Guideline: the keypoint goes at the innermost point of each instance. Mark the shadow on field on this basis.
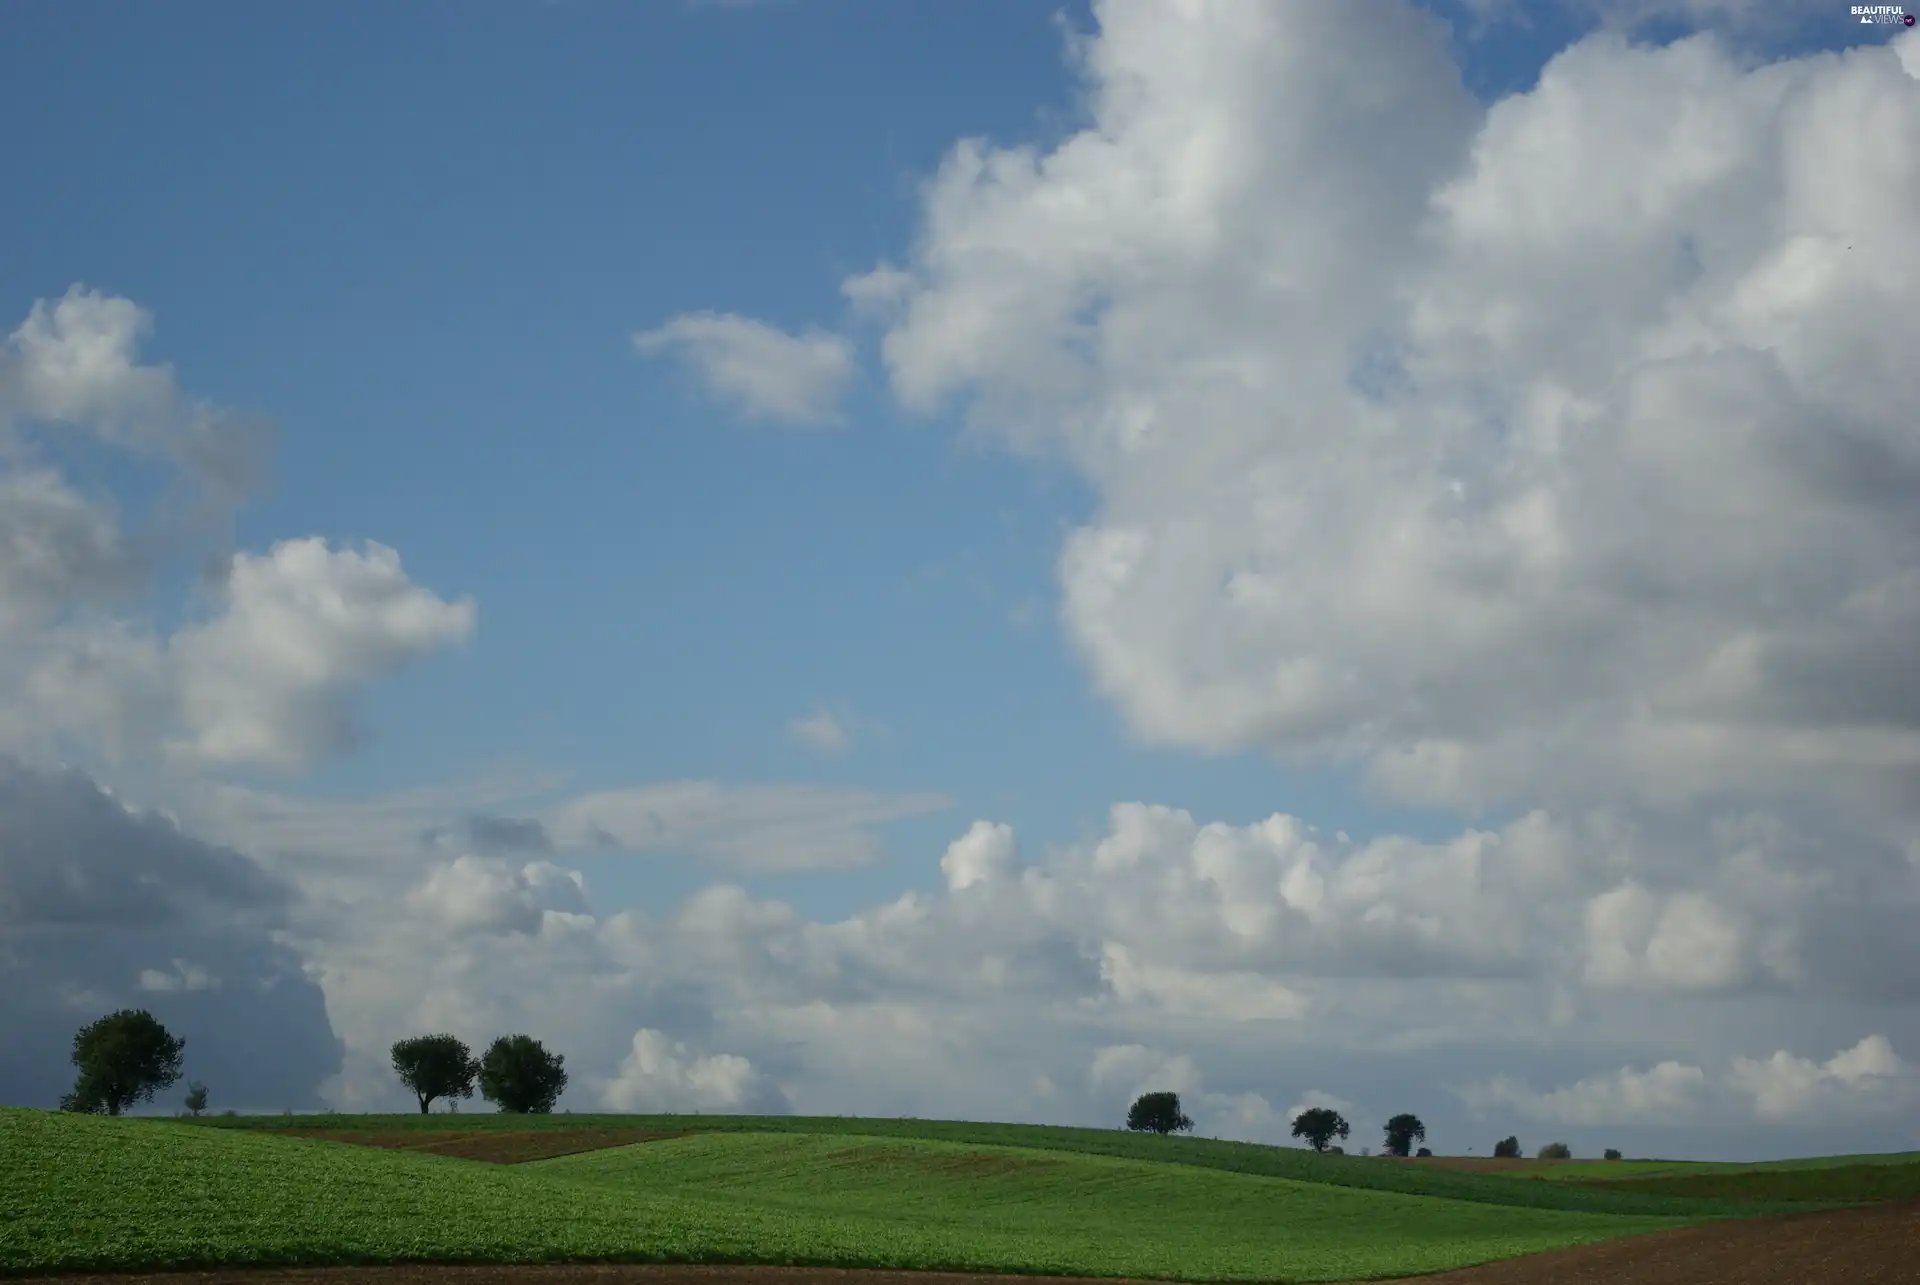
(965, 1166)
(496, 1146)
(1874, 1245)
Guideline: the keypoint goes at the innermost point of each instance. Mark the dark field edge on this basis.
(1297, 1164)
(267, 1264)
(1850, 1183)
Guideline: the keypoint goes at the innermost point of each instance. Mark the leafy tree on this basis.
(1402, 1132)
(196, 1097)
(518, 1074)
(1508, 1148)
(1157, 1113)
(1556, 1151)
(435, 1066)
(1612, 1154)
(1424, 1152)
(1320, 1126)
(123, 1058)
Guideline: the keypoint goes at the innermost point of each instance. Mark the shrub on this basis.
(1612, 1154)
(1424, 1151)
(1556, 1151)
(1508, 1148)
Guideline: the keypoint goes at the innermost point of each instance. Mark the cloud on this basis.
(265, 681)
(1553, 458)
(1778, 1088)
(1683, 942)
(1663, 1094)
(1734, 17)
(1120, 1073)
(71, 368)
(1359, 1123)
(984, 852)
(491, 836)
(764, 373)
(1784, 1086)
(73, 363)
(753, 827)
(270, 680)
(182, 977)
(659, 1075)
(1551, 453)
(73, 360)
(1235, 997)
(481, 895)
(56, 548)
(822, 732)
(92, 893)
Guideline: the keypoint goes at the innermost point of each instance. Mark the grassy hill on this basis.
(1292, 1163)
(90, 1193)
(1609, 1170)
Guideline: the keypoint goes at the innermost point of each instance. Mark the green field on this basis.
(92, 1193)
(1608, 1170)
(1293, 1163)
(1852, 1183)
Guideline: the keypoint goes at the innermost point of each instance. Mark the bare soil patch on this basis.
(1869, 1245)
(984, 1165)
(496, 1146)
(1874, 1245)
(1479, 1164)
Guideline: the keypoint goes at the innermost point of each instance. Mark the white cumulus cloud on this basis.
(1661, 1094)
(821, 731)
(1785, 1085)
(762, 371)
(986, 851)
(658, 1074)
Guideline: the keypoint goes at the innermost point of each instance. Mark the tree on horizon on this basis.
(435, 1066)
(123, 1058)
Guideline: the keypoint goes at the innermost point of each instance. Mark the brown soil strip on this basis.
(1871, 1245)
(497, 1146)
(1481, 1164)
(1875, 1245)
(983, 1165)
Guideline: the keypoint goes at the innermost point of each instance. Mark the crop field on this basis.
(1291, 1163)
(86, 1193)
(1852, 1183)
(1606, 1170)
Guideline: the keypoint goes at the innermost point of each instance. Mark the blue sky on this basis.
(421, 240)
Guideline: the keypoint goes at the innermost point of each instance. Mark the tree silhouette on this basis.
(435, 1066)
(518, 1074)
(123, 1058)
(1157, 1113)
(1402, 1132)
(1320, 1126)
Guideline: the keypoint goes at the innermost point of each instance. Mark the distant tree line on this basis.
(516, 1074)
(124, 1058)
(1159, 1112)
